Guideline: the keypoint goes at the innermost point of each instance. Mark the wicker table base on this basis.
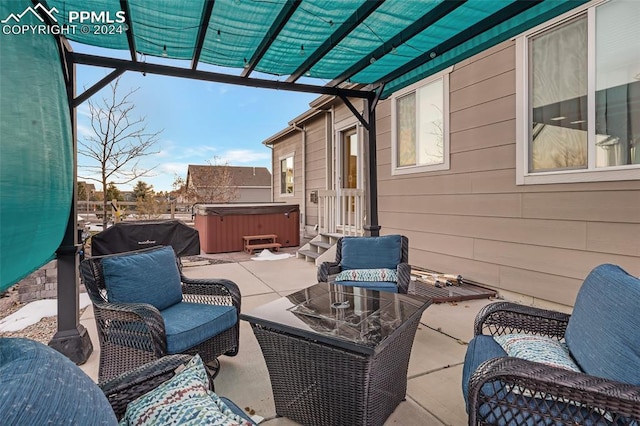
(315, 384)
(317, 379)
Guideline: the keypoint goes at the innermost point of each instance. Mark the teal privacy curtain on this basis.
(36, 152)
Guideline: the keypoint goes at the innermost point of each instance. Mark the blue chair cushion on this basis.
(603, 334)
(371, 252)
(506, 408)
(189, 324)
(372, 285)
(39, 386)
(481, 348)
(145, 277)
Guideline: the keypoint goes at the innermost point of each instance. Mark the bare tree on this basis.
(212, 183)
(117, 143)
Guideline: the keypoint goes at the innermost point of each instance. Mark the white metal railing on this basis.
(341, 212)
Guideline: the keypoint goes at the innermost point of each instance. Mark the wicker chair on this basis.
(132, 334)
(602, 337)
(127, 387)
(39, 385)
(369, 253)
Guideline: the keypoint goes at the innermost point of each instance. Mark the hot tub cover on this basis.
(127, 236)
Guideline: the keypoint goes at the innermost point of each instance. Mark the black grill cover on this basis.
(127, 236)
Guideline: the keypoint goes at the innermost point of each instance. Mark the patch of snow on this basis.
(267, 255)
(33, 312)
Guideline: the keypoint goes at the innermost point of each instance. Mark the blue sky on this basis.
(201, 121)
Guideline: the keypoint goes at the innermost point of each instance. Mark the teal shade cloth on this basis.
(277, 37)
(36, 152)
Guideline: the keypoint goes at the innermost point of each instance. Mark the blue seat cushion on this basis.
(372, 285)
(371, 252)
(189, 324)
(603, 334)
(39, 385)
(481, 348)
(506, 407)
(145, 277)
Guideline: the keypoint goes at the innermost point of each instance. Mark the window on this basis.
(579, 118)
(420, 134)
(286, 175)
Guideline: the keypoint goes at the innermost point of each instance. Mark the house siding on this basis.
(536, 240)
(292, 143)
(316, 164)
(253, 195)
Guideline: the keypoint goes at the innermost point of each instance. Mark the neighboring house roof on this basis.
(242, 176)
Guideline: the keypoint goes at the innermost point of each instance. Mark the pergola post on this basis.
(371, 226)
(72, 338)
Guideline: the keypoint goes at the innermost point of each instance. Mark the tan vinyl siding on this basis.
(254, 195)
(291, 143)
(536, 240)
(316, 166)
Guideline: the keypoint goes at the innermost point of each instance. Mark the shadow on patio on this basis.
(434, 395)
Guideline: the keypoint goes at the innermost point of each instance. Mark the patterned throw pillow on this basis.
(382, 274)
(538, 349)
(184, 399)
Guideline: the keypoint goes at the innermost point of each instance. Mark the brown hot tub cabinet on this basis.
(222, 226)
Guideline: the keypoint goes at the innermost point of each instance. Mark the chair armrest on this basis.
(326, 269)
(127, 387)
(541, 389)
(506, 317)
(217, 291)
(404, 277)
(139, 325)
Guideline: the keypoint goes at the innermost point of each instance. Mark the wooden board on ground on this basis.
(447, 287)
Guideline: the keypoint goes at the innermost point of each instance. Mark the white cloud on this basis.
(242, 156)
(84, 131)
(83, 110)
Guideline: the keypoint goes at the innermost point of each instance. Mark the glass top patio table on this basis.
(351, 318)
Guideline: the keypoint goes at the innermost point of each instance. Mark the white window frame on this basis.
(591, 173)
(291, 155)
(420, 168)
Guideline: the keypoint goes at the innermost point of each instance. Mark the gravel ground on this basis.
(42, 331)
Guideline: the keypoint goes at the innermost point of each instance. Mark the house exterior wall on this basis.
(317, 151)
(291, 143)
(536, 240)
(253, 195)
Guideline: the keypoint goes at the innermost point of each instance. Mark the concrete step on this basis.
(331, 235)
(309, 255)
(321, 244)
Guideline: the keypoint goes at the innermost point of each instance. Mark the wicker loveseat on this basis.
(151, 310)
(593, 380)
(377, 263)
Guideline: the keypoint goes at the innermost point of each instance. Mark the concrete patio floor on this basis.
(434, 395)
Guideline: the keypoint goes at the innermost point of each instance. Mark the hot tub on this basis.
(222, 226)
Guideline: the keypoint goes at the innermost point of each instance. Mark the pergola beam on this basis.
(429, 18)
(124, 6)
(487, 23)
(96, 87)
(202, 32)
(350, 24)
(270, 37)
(100, 61)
